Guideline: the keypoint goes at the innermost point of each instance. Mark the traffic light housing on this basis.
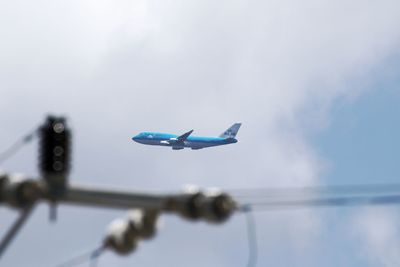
(54, 154)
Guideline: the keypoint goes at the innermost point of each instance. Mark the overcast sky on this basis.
(300, 76)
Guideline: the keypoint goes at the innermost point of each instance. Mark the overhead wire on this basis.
(251, 236)
(355, 189)
(90, 257)
(338, 195)
(345, 201)
(17, 145)
(16, 226)
(270, 199)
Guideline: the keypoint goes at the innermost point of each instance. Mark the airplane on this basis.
(186, 140)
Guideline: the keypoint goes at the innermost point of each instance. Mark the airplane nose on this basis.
(135, 138)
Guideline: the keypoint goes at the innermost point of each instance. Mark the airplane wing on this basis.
(177, 140)
(184, 136)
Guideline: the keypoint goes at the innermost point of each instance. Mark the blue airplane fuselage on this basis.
(194, 142)
(186, 140)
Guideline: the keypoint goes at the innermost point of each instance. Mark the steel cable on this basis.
(88, 257)
(16, 146)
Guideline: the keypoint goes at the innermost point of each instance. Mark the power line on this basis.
(346, 201)
(12, 232)
(337, 195)
(251, 236)
(86, 257)
(350, 189)
(16, 146)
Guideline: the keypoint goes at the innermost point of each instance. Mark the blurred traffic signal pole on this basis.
(54, 159)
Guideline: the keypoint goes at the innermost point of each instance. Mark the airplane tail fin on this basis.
(232, 131)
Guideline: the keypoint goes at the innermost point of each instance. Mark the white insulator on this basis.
(120, 237)
(213, 192)
(191, 189)
(145, 222)
(124, 234)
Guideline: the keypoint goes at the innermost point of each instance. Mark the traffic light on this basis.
(54, 154)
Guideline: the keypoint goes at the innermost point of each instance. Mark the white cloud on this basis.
(120, 67)
(378, 232)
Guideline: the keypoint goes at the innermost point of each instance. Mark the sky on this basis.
(313, 82)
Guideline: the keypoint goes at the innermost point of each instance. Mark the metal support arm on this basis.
(90, 196)
(194, 205)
